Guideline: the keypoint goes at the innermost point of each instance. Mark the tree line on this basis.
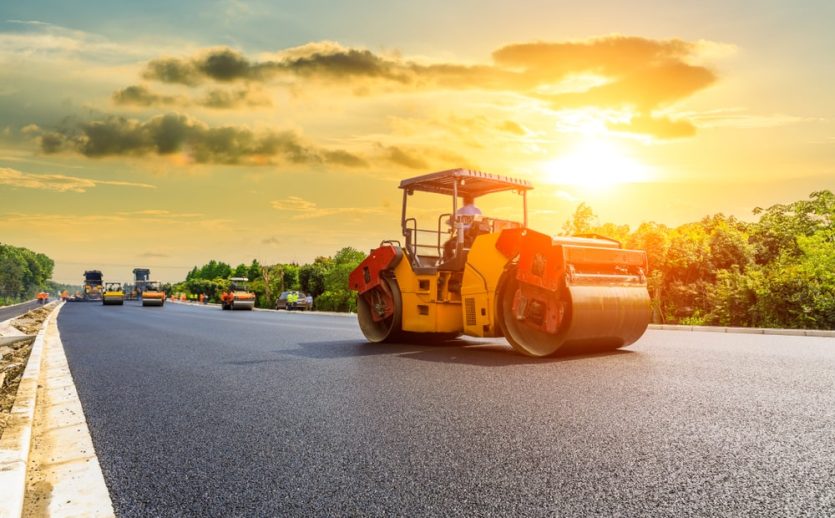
(325, 279)
(23, 273)
(778, 271)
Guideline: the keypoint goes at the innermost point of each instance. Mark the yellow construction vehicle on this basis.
(92, 285)
(152, 295)
(113, 294)
(493, 277)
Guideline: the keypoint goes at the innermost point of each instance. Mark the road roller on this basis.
(464, 273)
(113, 294)
(152, 295)
(238, 295)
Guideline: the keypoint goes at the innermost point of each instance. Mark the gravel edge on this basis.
(17, 437)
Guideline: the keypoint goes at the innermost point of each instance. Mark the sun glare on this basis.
(596, 162)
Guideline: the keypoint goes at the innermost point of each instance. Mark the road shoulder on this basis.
(63, 476)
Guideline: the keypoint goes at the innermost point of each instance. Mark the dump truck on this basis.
(92, 287)
(238, 295)
(114, 294)
(152, 294)
(489, 277)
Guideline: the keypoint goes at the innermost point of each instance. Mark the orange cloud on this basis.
(58, 182)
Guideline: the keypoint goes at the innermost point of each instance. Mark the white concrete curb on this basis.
(64, 476)
(744, 330)
(17, 437)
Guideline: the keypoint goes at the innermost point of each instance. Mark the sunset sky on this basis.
(165, 134)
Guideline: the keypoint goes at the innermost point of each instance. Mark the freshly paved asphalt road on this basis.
(198, 411)
(7, 312)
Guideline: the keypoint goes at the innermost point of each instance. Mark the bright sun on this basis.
(596, 162)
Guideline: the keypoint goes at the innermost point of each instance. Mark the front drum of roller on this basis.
(597, 318)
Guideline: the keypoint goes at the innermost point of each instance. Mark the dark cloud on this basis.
(229, 99)
(345, 158)
(216, 98)
(347, 63)
(639, 74)
(405, 158)
(173, 70)
(51, 142)
(175, 133)
(139, 95)
(224, 65)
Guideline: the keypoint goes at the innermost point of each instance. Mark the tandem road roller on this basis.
(238, 295)
(113, 294)
(464, 273)
(152, 294)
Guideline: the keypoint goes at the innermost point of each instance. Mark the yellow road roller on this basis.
(460, 272)
(113, 294)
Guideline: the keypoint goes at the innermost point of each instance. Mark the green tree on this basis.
(241, 270)
(254, 270)
(291, 276)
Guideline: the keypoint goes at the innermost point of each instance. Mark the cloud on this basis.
(513, 127)
(293, 203)
(229, 99)
(179, 134)
(58, 182)
(741, 118)
(643, 89)
(34, 38)
(139, 95)
(630, 73)
(405, 158)
(161, 213)
(660, 127)
(304, 209)
(216, 98)
(222, 65)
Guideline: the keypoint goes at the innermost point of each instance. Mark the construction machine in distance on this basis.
(152, 294)
(113, 294)
(496, 277)
(140, 278)
(92, 288)
(238, 295)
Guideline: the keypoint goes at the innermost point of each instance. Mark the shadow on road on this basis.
(454, 351)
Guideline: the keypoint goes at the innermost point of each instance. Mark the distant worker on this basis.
(309, 300)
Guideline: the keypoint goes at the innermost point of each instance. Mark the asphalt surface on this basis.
(201, 412)
(7, 312)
